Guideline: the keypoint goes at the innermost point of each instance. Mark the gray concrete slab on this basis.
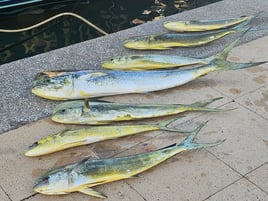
(245, 132)
(3, 196)
(19, 106)
(240, 190)
(259, 177)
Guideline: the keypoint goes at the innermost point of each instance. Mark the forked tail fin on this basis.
(201, 106)
(188, 143)
(220, 59)
(164, 126)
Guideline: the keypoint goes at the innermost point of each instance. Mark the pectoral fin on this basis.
(92, 192)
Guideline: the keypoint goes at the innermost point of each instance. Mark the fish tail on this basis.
(249, 19)
(164, 125)
(201, 106)
(220, 60)
(189, 144)
(222, 56)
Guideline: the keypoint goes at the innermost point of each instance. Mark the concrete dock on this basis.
(236, 170)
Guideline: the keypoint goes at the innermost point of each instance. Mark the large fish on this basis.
(166, 41)
(82, 136)
(99, 112)
(98, 83)
(152, 61)
(206, 25)
(81, 176)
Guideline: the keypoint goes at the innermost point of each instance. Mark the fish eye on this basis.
(33, 145)
(46, 178)
(62, 111)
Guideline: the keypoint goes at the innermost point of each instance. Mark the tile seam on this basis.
(240, 96)
(222, 189)
(249, 109)
(247, 178)
(243, 176)
(5, 193)
(136, 191)
(237, 101)
(30, 196)
(257, 186)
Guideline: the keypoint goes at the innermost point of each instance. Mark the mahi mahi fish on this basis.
(63, 85)
(99, 112)
(166, 41)
(152, 61)
(82, 136)
(81, 176)
(206, 25)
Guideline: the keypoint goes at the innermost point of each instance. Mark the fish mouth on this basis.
(55, 119)
(42, 93)
(38, 92)
(41, 185)
(31, 150)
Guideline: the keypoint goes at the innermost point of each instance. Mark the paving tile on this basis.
(237, 83)
(187, 176)
(260, 177)
(114, 191)
(257, 101)
(241, 190)
(3, 196)
(17, 172)
(39, 197)
(246, 137)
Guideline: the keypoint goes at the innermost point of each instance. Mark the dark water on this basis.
(109, 15)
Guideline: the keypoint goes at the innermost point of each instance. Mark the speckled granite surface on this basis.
(19, 106)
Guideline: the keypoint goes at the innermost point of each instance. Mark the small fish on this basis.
(206, 25)
(152, 61)
(82, 136)
(99, 112)
(81, 176)
(166, 41)
(98, 83)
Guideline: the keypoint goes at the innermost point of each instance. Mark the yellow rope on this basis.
(52, 18)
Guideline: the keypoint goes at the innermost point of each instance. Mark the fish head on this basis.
(55, 182)
(41, 147)
(68, 112)
(138, 43)
(176, 25)
(53, 85)
(115, 62)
